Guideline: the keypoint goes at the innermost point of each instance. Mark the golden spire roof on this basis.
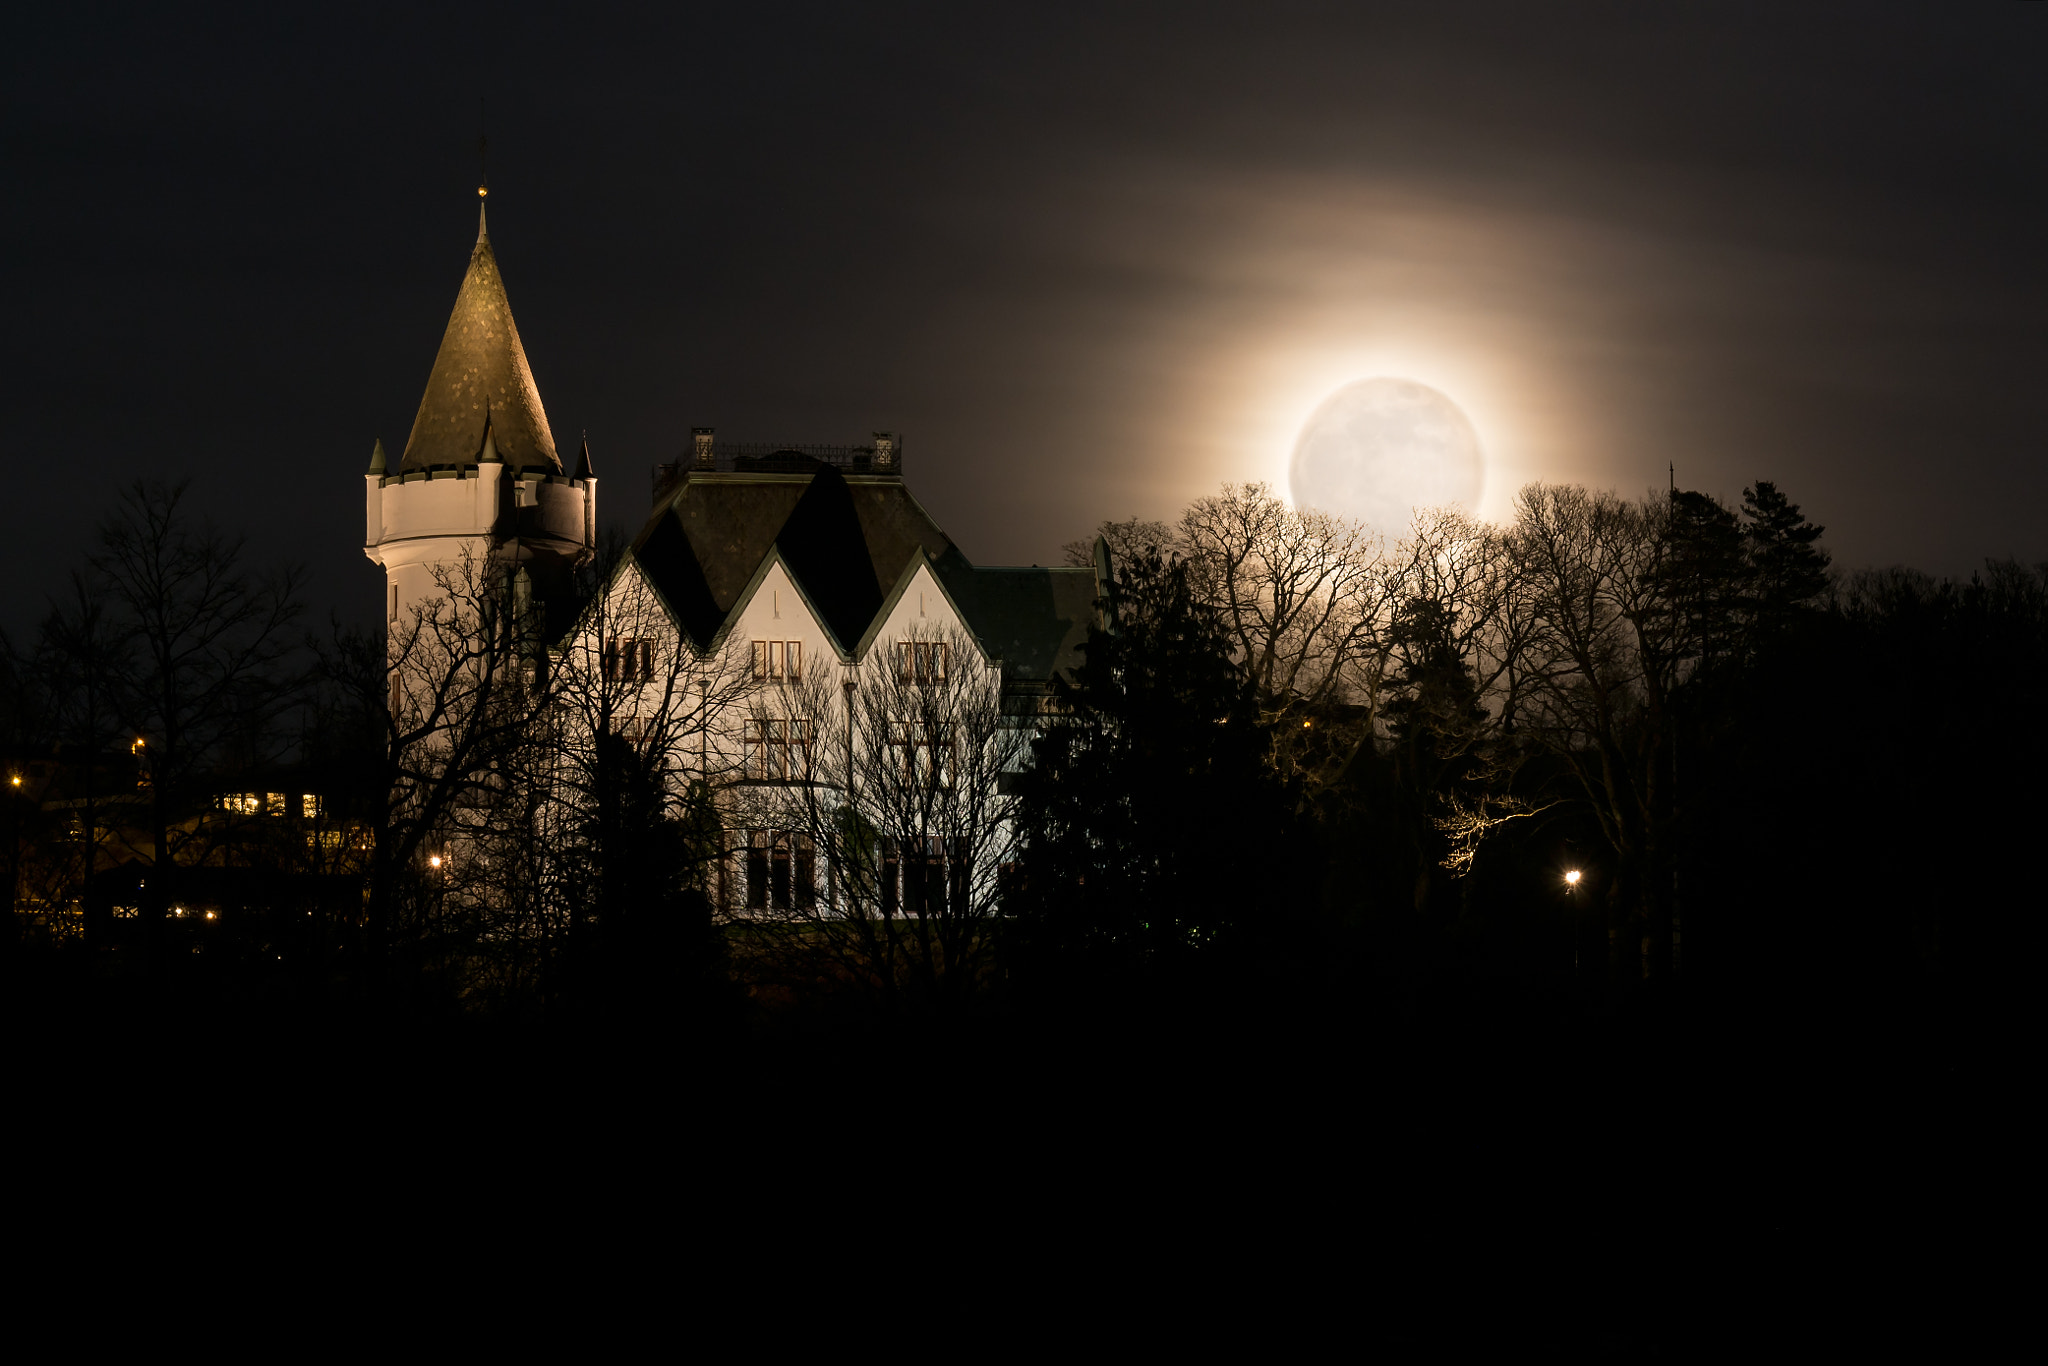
(480, 378)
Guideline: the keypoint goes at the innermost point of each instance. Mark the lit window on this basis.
(275, 802)
(309, 806)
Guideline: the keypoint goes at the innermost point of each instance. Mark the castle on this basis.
(766, 582)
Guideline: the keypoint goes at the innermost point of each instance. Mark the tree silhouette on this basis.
(1156, 828)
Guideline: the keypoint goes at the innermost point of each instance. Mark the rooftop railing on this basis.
(772, 457)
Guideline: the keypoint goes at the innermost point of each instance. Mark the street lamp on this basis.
(1571, 917)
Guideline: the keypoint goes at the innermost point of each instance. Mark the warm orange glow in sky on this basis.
(1298, 288)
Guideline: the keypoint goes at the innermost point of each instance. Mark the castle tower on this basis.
(479, 476)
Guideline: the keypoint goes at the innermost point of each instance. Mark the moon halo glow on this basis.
(1377, 449)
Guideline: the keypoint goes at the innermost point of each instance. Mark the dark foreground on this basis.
(1618, 1176)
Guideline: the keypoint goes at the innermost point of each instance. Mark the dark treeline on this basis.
(1614, 751)
(1613, 747)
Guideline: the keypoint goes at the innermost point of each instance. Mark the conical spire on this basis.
(583, 469)
(377, 463)
(481, 378)
(487, 454)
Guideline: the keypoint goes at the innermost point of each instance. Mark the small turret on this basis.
(586, 474)
(373, 496)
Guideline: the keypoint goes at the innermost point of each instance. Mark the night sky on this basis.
(1091, 260)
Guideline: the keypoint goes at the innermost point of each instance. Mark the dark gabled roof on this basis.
(1034, 620)
(893, 524)
(824, 549)
(843, 539)
(726, 528)
(480, 375)
(666, 558)
(846, 543)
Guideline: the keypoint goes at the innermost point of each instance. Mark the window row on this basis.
(782, 871)
(778, 661)
(779, 750)
(637, 731)
(917, 877)
(924, 753)
(921, 661)
(628, 661)
(304, 805)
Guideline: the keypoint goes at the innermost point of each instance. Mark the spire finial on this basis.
(483, 175)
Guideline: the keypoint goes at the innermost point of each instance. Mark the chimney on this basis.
(886, 454)
(701, 438)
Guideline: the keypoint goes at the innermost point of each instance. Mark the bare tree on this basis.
(197, 649)
(1601, 656)
(1451, 683)
(1305, 594)
(880, 824)
(452, 692)
(66, 696)
(1127, 540)
(637, 708)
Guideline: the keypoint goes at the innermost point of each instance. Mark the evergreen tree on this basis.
(1437, 739)
(1788, 568)
(1158, 834)
(643, 945)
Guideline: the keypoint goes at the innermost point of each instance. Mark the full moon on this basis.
(1380, 448)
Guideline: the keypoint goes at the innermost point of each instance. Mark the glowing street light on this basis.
(1571, 916)
(434, 861)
